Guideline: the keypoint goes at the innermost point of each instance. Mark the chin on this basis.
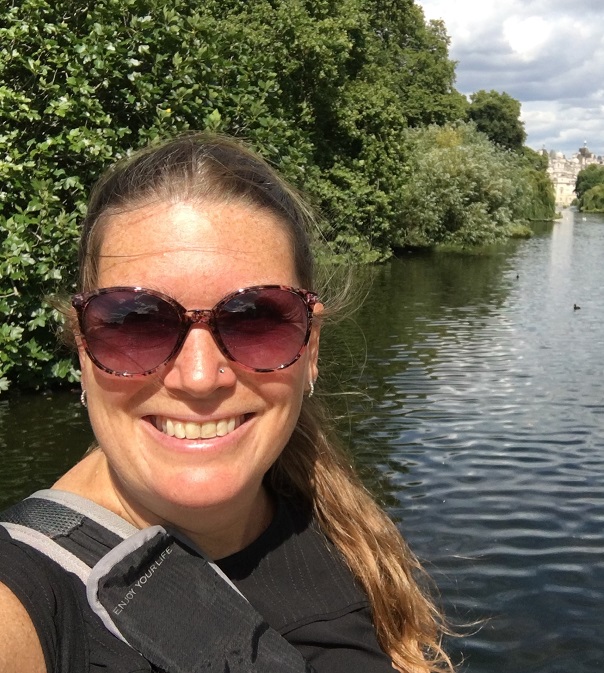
(187, 493)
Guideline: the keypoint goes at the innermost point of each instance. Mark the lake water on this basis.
(476, 413)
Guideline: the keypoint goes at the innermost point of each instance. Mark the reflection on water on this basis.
(480, 425)
(561, 250)
(40, 437)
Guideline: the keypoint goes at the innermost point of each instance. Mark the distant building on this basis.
(563, 172)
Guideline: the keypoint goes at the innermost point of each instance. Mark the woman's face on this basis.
(197, 255)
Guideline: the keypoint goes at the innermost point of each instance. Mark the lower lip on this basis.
(213, 444)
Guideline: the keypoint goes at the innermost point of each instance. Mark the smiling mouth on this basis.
(191, 430)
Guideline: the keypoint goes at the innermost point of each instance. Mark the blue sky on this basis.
(548, 54)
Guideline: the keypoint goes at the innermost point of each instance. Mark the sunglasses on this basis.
(132, 331)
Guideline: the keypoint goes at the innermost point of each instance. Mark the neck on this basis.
(236, 531)
(219, 530)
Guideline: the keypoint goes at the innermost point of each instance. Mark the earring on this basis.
(221, 371)
(311, 384)
(84, 399)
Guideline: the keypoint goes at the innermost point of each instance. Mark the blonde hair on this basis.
(312, 467)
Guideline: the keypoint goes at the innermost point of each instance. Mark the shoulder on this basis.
(26, 606)
(20, 648)
(29, 576)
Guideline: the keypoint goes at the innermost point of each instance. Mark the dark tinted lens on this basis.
(264, 328)
(130, 332)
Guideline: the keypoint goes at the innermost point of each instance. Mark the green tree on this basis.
(399, 75)
(593, 200)
(461, 189)
(536, 160)
(415, 54)
(541, 198)
(541, 202)
(587, 179)
(498, 116)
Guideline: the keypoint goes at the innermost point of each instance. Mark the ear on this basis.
(313, 344)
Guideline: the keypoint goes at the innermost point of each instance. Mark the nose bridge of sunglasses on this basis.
(199, 315)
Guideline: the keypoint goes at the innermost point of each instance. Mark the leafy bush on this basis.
(593, 200)
(461, 189)
(541, 200)
(588, 178)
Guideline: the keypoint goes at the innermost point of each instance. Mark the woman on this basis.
(205, 422)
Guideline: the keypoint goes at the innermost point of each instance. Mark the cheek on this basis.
(110, 398)
(281, 393)
(84, 363)
(287, 396)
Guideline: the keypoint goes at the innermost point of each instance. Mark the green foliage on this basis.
(588, 178)
(461, 190)
(541, 198)
(398, 75)
(535, 160)
(593, 200)
(325, 88)
(498, 116)
(413, 56)
(520, 230)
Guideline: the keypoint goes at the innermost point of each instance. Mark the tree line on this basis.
(589, 189)
(354, 101)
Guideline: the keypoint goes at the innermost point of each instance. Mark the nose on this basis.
(199, 367)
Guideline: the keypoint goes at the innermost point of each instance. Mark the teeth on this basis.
(208, 430)
(191, 430)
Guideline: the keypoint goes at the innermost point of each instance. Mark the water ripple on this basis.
(487, 426)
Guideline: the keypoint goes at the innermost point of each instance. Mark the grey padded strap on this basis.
(50, 548)
(90, 509)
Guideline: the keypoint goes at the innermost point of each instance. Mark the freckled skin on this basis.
(196, 254)
(20, 650)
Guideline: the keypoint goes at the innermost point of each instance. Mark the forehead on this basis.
(230, 245)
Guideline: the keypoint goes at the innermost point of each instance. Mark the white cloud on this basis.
(549, 54)
(527, 37)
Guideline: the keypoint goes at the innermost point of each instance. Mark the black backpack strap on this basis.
(73, 531)
(153, 589)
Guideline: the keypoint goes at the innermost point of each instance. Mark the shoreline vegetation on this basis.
(590, 189)
(353, 100)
